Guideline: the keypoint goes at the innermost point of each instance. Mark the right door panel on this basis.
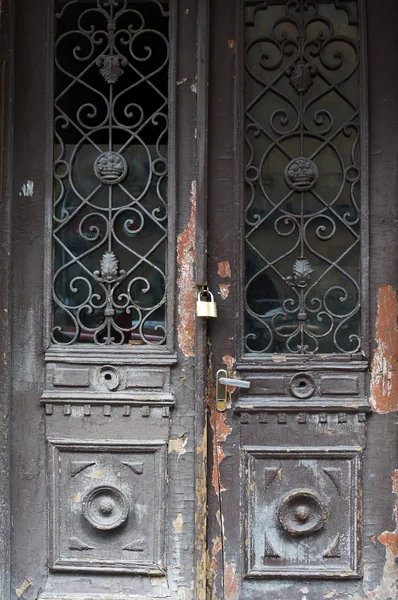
(292, 506)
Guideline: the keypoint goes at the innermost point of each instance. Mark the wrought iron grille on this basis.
(302, 177)
(110, 170)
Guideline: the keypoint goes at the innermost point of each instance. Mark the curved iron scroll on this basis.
(302, 177)
(110, 170)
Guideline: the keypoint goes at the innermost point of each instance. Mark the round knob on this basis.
(105, 507)
(302, 512)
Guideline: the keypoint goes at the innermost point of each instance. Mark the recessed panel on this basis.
(302, 512)
(102, 516)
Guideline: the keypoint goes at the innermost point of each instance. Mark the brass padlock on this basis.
(206, 308)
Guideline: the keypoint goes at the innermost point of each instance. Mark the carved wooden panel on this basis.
(303, 508)
(102, 517)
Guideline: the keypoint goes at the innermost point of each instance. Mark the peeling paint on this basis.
(279, 358)
(384, 386)
(229, 362)
(96, 474)
(27, 189)
(178, 523)
(201, 518)
(387, 589)
(224, 269)
(389, 539)
(181, 81)
(186, 282)
(178, 445)
(20, 590)
(231, 581)
(224, 290)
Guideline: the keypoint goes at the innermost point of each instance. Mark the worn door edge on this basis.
(6, 149)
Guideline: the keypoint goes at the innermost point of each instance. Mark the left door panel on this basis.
(102, 431)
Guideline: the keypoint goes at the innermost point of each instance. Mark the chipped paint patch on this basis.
(186, 282)
(224, 269)
(96, 474)
(389, 539)
(229, 362)
(178, 445)
(384, 384)
(20, 590)
(231, 581)
(178, 523)
(387, 590)
(224, 290)
(201, 517)
(27, 189)
(213, 573)
(181, 81)
(278, 358)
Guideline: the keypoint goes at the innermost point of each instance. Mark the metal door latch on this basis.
(222, 383)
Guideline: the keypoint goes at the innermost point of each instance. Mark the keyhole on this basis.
(108, 376)
(302, 384)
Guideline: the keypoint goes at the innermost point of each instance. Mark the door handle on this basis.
(222, 383)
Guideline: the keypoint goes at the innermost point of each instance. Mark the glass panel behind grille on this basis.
(302, 177)
(110, 169)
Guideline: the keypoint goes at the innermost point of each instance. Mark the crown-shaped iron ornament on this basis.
(110, 167)
(301, 174)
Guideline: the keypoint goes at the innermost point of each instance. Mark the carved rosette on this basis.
(105, 507)
(302, 512)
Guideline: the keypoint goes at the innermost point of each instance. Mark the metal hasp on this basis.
(222, 383)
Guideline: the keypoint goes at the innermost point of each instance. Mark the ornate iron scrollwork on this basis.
(110, 171)
(302, 177)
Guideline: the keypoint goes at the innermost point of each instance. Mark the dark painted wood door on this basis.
(103, 436)
(100, 332)
(302, 481)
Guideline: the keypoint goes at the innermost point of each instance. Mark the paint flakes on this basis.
(224, 269)
(224, 290)
(20, 590)
(232, 45)
(77, 498)
(181, 81)
(279, 358)
(229, 362)
(384, 385)
(178, 523)
(331, 594)
(178, 444)
(96, 474)
(231, 581)
(186, 282)
(27, 189)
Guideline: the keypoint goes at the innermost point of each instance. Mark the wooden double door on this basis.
(159, 154)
